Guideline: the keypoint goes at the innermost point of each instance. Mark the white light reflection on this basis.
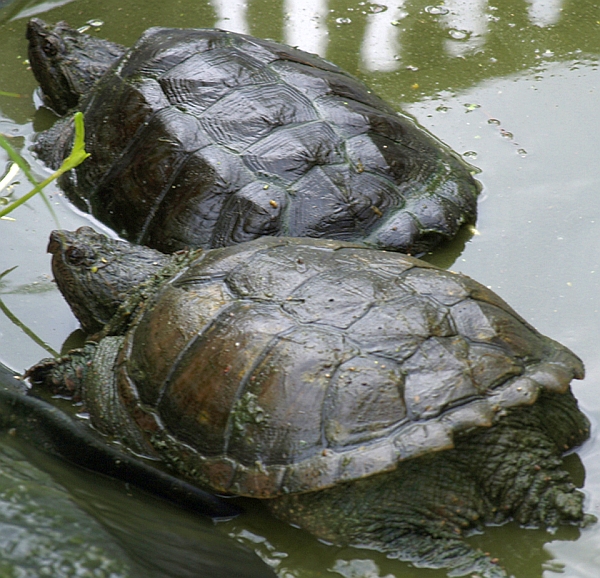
(305, 25)
(39, 8)
(380, 49)
(467, 24)
(231, 15)
(544, 12)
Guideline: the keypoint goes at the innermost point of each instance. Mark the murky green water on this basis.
(512, 84)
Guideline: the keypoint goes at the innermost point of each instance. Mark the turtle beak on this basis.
(57, 242)
(41, 39)
(36, 28)
(62, 238)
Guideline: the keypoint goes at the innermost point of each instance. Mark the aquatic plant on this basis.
(77, 156)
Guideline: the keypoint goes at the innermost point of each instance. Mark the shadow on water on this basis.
(190, 544)
(161, 540)
(450, 251)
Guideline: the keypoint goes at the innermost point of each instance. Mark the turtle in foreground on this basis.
(206, 138)
(364, 395)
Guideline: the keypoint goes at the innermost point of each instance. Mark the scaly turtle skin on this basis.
(365, 395)
(206, 138)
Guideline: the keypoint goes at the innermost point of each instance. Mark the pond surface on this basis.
(513, 85)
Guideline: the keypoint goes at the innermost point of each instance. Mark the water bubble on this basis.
(522, 152)
(457, 34)
(93, 23)
(412, 68)
(343, 21)
(400, 15)
(442, 108)
(376, 8)
(494, 121)
(437, 10)
(506, 134)
(471, 106)
(470, 154)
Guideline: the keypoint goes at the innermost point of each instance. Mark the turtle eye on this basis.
(77, 256)
(49, 47)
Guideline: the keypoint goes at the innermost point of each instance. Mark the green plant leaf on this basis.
(17, 159)
(77, 156)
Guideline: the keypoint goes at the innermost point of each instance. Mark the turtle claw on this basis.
(62, 376)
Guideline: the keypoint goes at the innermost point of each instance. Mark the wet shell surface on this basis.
(289, 365)
(206, 138)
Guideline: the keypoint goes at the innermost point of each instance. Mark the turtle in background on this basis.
(363, 395)
(207, 138)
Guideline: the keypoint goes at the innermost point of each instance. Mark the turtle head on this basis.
(95, 273)
(66, 62)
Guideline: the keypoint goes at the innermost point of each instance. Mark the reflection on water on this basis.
(305, 24)
(380, 46)
(231, 15)
(544, 12)
(465, 24)
(43, 533)
(153, 540)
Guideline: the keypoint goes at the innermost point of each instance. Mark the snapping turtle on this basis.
(206, 138)
(364, 395)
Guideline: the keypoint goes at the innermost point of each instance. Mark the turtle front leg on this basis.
(88, 375)
(65, 375)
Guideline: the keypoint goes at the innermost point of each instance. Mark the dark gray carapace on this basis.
(207, 138)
